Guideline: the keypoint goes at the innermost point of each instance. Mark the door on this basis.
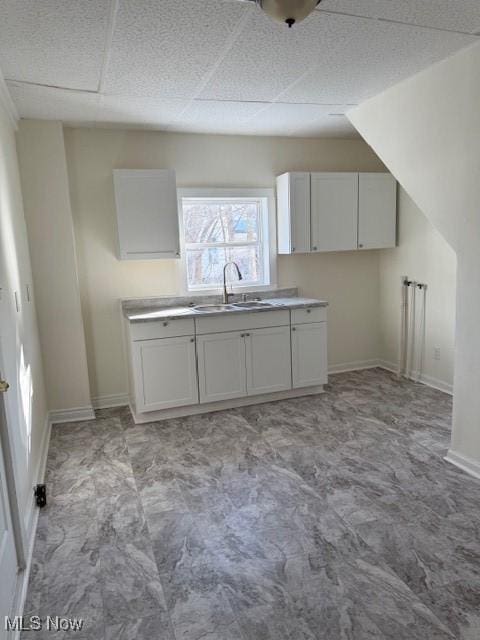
(334, 211)
(166, 373)
(309, 354)
(377, 211)
(269, 365)
(300, 211)
(221, 366)
(8, 557)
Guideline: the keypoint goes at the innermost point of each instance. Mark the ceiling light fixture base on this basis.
(288, 11)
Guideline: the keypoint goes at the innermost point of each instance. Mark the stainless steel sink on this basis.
(252, 304)
(215, 308)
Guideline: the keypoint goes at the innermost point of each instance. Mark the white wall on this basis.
(427, 131)
(349, 281)
(25, 402)
(48, 213)
(424, 256)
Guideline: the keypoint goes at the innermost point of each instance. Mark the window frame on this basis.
(268, 236)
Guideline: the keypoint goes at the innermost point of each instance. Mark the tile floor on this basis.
(326, 517)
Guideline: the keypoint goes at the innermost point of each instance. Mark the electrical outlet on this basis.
(436, 353)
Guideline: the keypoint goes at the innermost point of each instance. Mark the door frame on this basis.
(9, 464)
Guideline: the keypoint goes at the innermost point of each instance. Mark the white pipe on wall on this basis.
(402, 356)
(412, 329)
(422, 331)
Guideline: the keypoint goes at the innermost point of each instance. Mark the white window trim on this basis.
(270, 228)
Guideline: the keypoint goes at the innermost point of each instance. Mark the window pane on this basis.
(220, 221)
(205, 266)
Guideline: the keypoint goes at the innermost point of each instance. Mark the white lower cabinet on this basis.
(309, 354)
(165, 373)
(221, 366)
(210, 364)
(237, 364)
(268, 360)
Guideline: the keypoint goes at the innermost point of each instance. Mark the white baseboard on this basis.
(435, 383)
(77, 414)
(112, 400)
(465, 463)
(30, 523)
(38, 477)
(357, 365)
(221, 405)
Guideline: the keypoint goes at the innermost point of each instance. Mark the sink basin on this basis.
(209, 308)
(252, 304)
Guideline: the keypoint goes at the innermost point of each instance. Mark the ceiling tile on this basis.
(217, 117)
(45, 103)
(143, 112)
(291, 119)
(378, 55)
(268, 57)
(163, 48)
(54, 42)
(328, 127)
(460, 15)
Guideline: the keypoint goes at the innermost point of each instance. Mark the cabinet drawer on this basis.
(312, 314)
(242, 321)
(162, 329)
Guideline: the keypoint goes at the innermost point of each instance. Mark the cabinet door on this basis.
(221, 366)
(377, 211)
(334, 211)
(165, 373)
(309, 354)
(269, 366)
(300, 208)
(147, 215)
(293, 212)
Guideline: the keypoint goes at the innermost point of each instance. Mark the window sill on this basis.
(232, 288)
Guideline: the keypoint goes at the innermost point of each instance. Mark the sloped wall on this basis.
(427, 132)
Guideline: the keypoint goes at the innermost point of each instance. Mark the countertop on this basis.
(154, 311)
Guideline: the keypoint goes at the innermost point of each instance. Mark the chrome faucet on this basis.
(240, 277)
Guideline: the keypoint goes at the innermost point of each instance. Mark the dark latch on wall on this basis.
(40, 492)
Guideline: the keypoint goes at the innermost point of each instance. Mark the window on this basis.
(221, 226)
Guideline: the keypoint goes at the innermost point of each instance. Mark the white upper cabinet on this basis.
(334, 206)
(335, 211)
(293, 210)
(377, 210)
(147, 215)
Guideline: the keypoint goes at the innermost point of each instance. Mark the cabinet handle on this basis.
(192, 339)
(165, 324)
(360, 246)
(242, 335)
(315, 249)
(293, 249)
(309, 311)
(294, 329)
(247, 335)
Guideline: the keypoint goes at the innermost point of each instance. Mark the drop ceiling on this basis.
(219, 66)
